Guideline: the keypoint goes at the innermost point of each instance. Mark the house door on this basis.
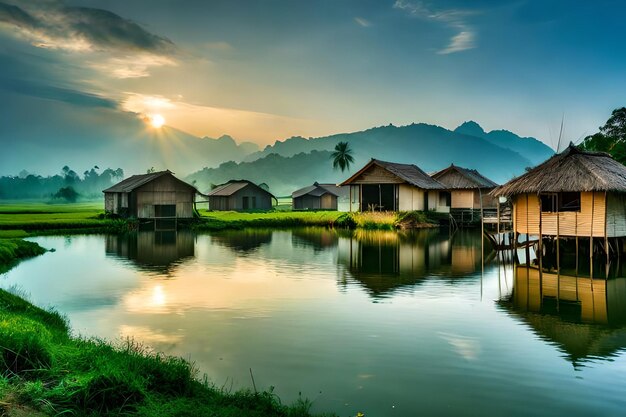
(246, 203)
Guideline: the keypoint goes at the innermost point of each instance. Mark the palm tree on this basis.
(342, 157)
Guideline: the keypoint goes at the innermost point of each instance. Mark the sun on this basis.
(156, 120)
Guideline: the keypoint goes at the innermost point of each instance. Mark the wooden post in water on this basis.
(558, 258)
(593, 204)
(539, 248)
(606, 238)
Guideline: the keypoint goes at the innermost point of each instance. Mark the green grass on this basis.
(218, 220)
(46, 371)
(20, 219)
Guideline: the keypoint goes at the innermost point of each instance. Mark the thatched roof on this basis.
(232, 186)
(573, 170)
(406, 172)
(135, 181)
(455, 178)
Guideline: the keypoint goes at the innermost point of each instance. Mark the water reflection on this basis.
(243, 241)
(152, 251)
(384, 261)
(585, 317)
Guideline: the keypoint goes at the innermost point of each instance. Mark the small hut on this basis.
(239, 195)
(389, 186)
(574, 193)
(318, 197)
(158, 195)
(469, 191)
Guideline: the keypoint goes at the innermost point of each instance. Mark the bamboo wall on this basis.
(528, 218)
(590, 293)
(462, 199)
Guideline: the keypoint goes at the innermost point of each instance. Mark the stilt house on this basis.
(469, 192)
(239, 195)
(158, 195)
(574, 193)
(388, 186)
(318, 197)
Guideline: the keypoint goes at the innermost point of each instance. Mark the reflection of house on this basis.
(245, 240)
(319, 197)
(574, 193)
(151, 196)
(573, 312)
(240, 195)
(155, 251)
(468, 189)
(383, 261)
(381, 185)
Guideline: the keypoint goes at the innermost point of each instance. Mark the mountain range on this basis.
(60, 134)
(296, 162)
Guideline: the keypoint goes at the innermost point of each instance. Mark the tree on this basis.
(68, 194)
(342, 156)
(611, 138)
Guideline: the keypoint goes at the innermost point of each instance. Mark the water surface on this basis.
(383, 323)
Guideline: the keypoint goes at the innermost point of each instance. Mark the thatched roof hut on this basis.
(574, 193)
(573, 170)
(468, 188)
(240, 195)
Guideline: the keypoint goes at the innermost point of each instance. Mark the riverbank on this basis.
(44, 370)
(30, 219)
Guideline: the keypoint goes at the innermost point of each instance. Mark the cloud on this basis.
(136, 66)
(81, 29)
(454, 18)
(66, 95)
(362, 22)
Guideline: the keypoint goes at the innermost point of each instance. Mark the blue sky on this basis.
(267, 70)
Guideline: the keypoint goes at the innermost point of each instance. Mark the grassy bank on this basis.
(46, 371)
(20, 220)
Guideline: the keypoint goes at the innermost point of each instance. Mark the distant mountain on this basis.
(430, 147)
(530, 148)
(417, 137)
(282, 174)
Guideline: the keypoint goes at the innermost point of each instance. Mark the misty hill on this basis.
(430, 147)
(63, 134)
(282, 174)
(532, 149)
(395, 142)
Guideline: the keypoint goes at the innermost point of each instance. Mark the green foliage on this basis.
(611, 138)
(342, 156)
(68, 194)
(27, 185)
(15, 249)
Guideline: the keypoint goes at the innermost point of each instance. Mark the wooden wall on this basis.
(113, 202)
(165, 190)
(310, 202)
(592, 212)
(616, 215)
(410, 198)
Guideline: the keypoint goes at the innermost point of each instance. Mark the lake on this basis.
(383, 323)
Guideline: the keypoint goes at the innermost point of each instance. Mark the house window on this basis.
(560, 202)
(253, 202)
(165, 210)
